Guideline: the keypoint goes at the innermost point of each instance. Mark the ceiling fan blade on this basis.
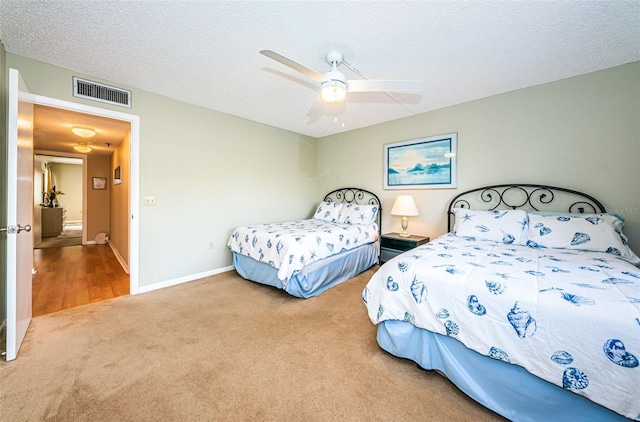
(371, 85)
(316, 107)
(312, 74)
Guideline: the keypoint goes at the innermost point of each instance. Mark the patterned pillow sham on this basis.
(328, 211)
(505, 226)
(358, 214)
(589, 232)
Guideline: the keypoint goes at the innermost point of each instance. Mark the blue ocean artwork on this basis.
(522, 322)
(580, 239)
(562, 357)
(544, 230)
(614, 350)
(380, 311)
(589, 286)
(475, 306)
(418, 290)
(550, 289)
(557, 269)
(442, 313)
(451, 269)
(574, 379)
(451, 327)
(495, 287)
(594, 220)
(508, 239)
(392, 286)
(482, 229)
(498, 214)
(366, 295)
(532, 244)
(409, 318)
(577, 300)
(403, 266)
(614, 280)
(501, 263)
(535, 273)
(498, 354)
(614, 251)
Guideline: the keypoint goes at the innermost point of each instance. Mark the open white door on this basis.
(19, 212)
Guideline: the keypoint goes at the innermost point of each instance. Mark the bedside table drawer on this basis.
(386, 254)
(399, 244)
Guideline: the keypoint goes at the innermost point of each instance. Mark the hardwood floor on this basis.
(71, 276)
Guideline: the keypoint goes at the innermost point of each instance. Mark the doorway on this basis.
(102, 202)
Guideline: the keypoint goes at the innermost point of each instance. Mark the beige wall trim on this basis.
(180, 280)
(121, 260)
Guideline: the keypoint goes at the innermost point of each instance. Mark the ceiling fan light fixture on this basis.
(83, 132)
(333, 91)
(82, 147)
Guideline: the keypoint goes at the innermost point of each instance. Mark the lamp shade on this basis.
(404, 205)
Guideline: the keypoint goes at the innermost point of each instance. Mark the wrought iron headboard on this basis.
(356, 196)
(524, 196)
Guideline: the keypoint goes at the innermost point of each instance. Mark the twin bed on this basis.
(306, 257)
(534, 313)
(530, 303)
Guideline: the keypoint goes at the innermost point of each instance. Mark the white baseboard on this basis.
(119, 257)
(175, 281)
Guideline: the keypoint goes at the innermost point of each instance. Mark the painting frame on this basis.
(117, 176)
(100, 183)
(423, 163)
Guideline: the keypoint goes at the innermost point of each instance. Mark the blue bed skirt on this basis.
(314, 278)
(508, 390)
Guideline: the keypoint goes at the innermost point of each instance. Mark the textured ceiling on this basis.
(206, 52)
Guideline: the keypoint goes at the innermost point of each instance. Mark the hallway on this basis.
(75, 275)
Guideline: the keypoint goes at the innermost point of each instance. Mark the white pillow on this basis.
(358, 214)
(505, 226)
(591, 232)
(328, 211)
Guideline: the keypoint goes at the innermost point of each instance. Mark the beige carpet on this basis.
(221, 348)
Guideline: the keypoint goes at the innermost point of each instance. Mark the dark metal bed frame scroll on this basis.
(524, 196)
(356, 196)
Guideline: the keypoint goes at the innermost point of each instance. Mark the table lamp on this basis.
(405, 206)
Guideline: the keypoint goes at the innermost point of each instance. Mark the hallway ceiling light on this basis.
(83, 132)
(82, 147)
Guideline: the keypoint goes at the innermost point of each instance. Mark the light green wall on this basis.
(3, 181)
(581, 133)
(69, 181)
(209, 172)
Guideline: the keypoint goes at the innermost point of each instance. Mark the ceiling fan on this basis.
(333, 84)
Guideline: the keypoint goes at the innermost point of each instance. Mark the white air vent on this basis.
(100, 92)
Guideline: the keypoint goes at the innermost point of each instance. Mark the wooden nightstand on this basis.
(391, 245)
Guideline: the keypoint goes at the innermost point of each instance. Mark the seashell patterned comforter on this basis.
(569, 317)
(290, 245)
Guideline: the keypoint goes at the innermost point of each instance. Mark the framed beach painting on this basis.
(426, 163)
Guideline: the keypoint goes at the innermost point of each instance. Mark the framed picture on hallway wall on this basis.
(117, 177)
(426, 163)
(99, 183)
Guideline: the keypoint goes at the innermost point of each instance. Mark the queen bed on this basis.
(532, 312)
(306, 257)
